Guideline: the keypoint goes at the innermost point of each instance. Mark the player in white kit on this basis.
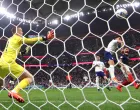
(108, 55)
(85, 79)
(99, 70)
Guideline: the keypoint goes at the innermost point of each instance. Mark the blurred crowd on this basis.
(58, 75)
(61, 61)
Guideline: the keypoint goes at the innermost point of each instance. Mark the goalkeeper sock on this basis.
(111, 71)
(24, 83)
(97, 82)
(125, 82)
(131, 79)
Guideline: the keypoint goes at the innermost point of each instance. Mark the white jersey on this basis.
(11, 82)
(85, 78)
(99, 66)
(112, 46)
(50, 81)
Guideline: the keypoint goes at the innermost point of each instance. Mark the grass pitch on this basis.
(72, 99)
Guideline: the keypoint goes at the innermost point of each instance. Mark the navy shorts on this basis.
(108, 56)
(100, 74)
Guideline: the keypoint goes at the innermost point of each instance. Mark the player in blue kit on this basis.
(124, 62)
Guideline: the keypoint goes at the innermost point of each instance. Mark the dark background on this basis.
(89, 32)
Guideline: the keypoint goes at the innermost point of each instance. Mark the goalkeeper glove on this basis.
(49, 36)
(25, 51)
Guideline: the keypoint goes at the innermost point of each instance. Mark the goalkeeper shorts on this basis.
(13, 69)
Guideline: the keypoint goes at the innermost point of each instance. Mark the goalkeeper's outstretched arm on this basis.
(49, 36)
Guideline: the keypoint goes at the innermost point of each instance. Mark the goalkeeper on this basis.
(8, 63)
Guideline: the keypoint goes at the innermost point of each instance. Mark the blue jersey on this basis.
(124, 58)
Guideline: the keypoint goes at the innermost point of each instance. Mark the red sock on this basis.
(131, 79)
(125, 82)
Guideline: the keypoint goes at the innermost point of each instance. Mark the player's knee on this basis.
(30, 78)
(111, 62)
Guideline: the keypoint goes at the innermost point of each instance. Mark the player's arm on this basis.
(121, 63)
(104, 68)
(94, 64)
(49, 36)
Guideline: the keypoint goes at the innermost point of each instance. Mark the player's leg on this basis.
(97, 81)
(125, 82)
(25, 79)
(106, 78)
(112, 70)
(70, 86)
(68, 83)
(130, 77)
(4, 71)
(107, 81)
(110, 60)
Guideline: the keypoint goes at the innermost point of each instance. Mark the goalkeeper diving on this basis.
(8, 65)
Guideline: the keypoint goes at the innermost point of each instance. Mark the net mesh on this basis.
(82, 29)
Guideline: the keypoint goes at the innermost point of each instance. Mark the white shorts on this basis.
(127, 70)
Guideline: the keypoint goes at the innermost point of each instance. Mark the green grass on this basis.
(86, 99)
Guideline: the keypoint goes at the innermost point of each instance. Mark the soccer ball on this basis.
(121, 13)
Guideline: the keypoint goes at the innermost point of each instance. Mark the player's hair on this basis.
(14, 29)
(122, 50)
(98, 55)
(118, 37)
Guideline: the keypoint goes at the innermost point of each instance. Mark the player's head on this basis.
(17, 30)
(125, 50)
(97, 57)
(118, 38)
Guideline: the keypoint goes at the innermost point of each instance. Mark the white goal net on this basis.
(83, 29)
